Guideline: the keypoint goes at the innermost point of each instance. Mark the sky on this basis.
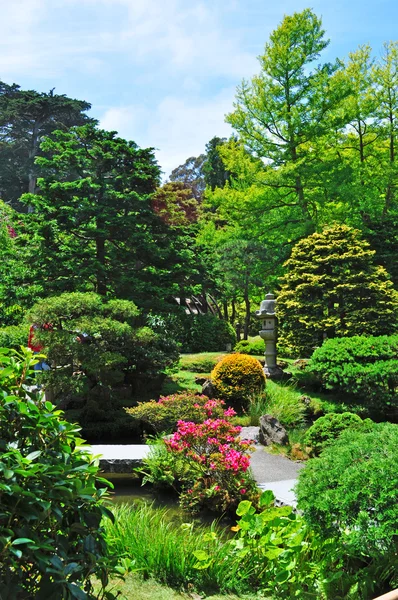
(164, 72)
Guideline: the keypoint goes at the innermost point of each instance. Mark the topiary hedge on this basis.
(236, 378)
(327, 429)
(365, 367)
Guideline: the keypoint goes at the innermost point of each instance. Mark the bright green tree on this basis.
(333, 288)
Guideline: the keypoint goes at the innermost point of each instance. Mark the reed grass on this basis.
(162, 549)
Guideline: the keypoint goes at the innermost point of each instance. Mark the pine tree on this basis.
(333, 288)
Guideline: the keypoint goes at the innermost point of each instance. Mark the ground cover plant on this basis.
(51, 539)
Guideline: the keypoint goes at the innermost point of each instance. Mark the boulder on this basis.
(272, 432)
(208, 389)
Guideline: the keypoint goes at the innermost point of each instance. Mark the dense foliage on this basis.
(350, 491)
(326, 429)
(255, 347)
(332, 288)
(237, 378)
(206, 333)
(363, 366)
(51, 538)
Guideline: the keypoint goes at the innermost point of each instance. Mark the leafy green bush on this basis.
(365, 367)
(14, 336)
(51, 538)
(115, 352)
(237, 378)
(282, 402)
(162, 416)
(206, 333)
(350, 491)
(326, 429)
(254, 348)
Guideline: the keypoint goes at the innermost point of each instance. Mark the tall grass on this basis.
(282, 401)
(164, 550)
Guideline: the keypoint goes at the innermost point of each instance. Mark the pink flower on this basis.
(242, 491)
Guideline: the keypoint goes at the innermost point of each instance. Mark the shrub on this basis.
(236, 378)
(14, 336)
(350, 491)
(208, 464)
(333, 287)
(117, 351)
(254, 347)
(206, 333)
(51, 538)
(364, 367)
(326, 429)
(163, 415)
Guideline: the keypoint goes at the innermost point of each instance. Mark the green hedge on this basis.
(14, 336)
(363, 367)
(255, 348)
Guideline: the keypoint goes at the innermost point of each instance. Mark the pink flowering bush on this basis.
(162, 416)
(218, 475)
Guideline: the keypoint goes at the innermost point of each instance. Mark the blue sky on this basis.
(164, 72)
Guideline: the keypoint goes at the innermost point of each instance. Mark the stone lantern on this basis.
(268, 332)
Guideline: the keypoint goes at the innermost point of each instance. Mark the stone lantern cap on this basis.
(267, 307)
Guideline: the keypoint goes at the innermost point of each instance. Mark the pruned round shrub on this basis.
(163, 415)
(365, 367)
(236, 378)
(51, 538)
(350, 491)
(327, 429)
(254, 348)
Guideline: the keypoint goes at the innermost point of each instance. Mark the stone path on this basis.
(272, 472)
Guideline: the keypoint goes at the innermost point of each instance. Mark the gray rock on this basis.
(250, 433)
(208, 389)
(200, 380)
(272, 432)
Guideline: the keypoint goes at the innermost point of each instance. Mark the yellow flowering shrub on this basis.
(236, 378)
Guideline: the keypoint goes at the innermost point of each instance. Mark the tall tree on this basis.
(191, 175)
(281, 114)
(93, 226)
(26, 116)
(215, 173)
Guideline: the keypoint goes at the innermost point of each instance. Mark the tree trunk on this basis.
(225, 309)
(247, 316)
(100, 255)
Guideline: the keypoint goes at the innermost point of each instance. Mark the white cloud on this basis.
(177, 128)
